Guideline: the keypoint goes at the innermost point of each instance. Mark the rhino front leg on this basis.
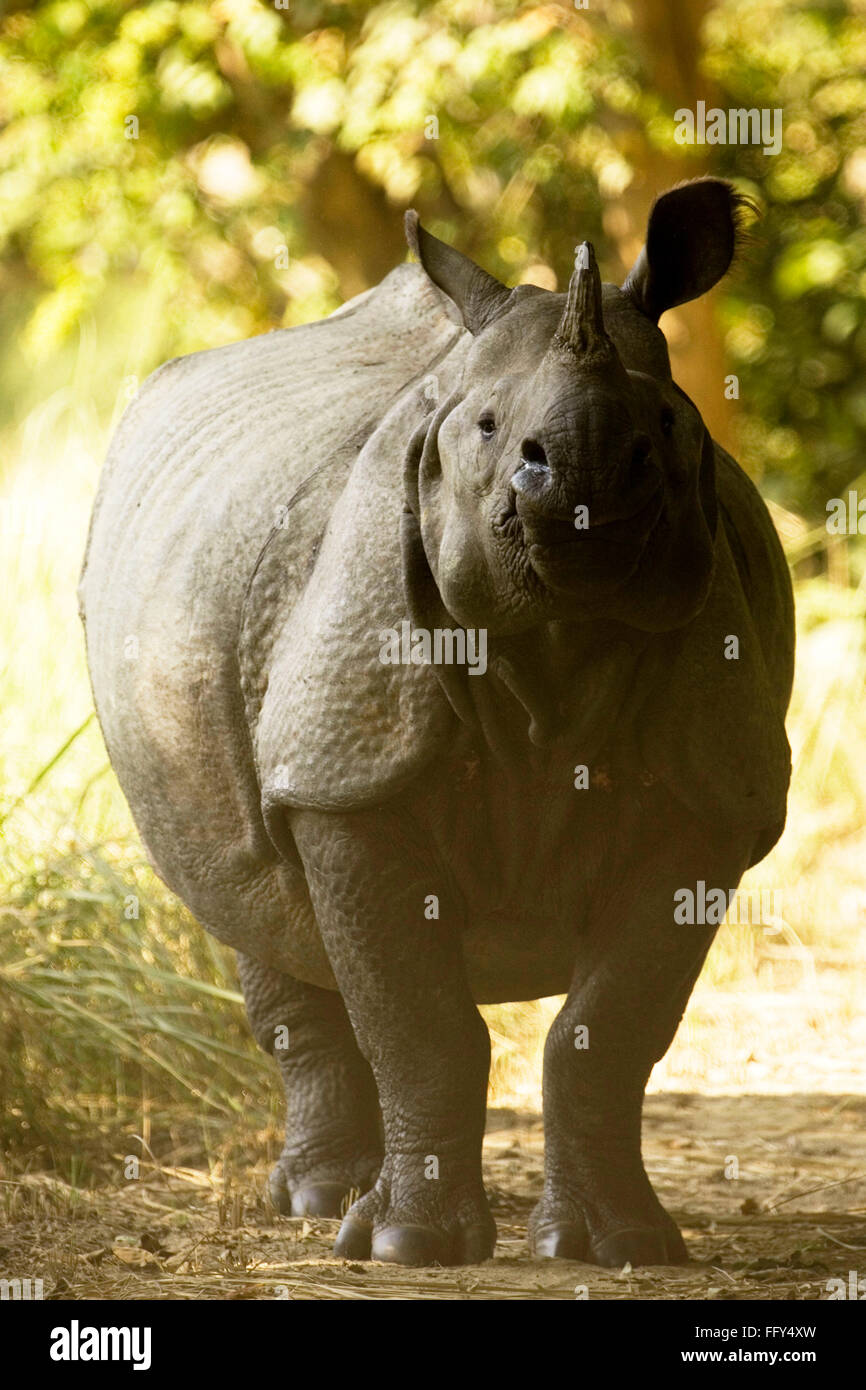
(635, 970)
(333, 1130)
(371, 876)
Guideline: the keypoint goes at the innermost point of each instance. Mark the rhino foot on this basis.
(323, 1193)
(641, 1245)
(611, 1244)
(377, 1228)
(560, 1240)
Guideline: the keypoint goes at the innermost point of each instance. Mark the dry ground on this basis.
(753, 1136)
(791, 1220)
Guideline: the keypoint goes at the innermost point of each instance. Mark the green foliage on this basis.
(176, 143)
(796, 328)
(246, 164)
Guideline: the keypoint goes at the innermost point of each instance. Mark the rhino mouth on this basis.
(606, 553)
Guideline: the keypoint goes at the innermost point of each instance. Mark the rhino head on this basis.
(568, 477)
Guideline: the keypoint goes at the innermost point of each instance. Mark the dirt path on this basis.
(793, 1218)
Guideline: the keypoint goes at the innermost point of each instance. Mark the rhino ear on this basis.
(480, 297)
(692, 236)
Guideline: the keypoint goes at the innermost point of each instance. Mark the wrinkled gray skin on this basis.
(266, 511)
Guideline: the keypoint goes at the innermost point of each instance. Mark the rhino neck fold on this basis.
(557, 685)
(571, 680)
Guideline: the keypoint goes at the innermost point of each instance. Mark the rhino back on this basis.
(762, 569)
(215, 449)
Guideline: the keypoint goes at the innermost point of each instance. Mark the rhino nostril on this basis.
(640, 452)
(641, 448)
(532, 452)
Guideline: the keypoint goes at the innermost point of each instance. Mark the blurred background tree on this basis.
(187, 172)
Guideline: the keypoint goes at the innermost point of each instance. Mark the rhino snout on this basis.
(546, 492)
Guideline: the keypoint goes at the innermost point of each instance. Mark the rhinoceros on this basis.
(441, 654)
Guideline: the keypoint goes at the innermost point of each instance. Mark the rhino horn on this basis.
(581, 329)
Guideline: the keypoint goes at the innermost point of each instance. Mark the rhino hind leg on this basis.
(333, 1147)
(635, 969)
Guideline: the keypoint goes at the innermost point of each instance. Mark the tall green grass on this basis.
(113, 1025)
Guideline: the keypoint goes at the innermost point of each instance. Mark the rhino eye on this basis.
(667, 420)
(487, 426)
